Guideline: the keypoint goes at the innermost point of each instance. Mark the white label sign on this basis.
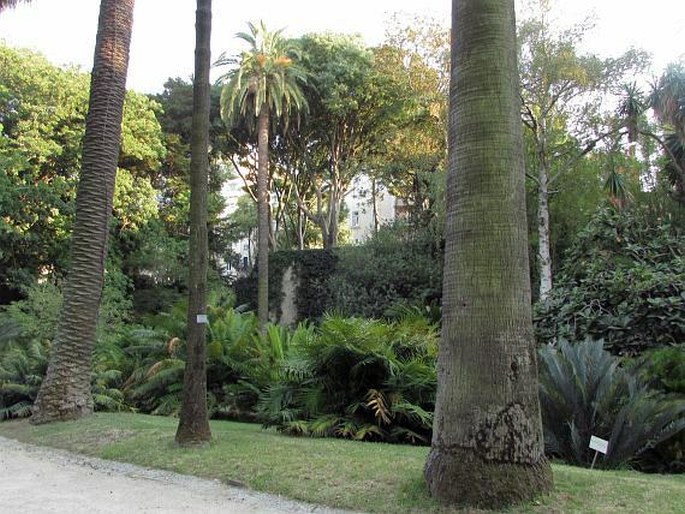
(599, 445)
(202, 318)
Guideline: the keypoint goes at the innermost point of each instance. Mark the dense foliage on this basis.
(623, 281)
(358, 379)
(584, 392)
(400, 267)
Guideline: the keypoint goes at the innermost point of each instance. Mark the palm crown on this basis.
(266, 75)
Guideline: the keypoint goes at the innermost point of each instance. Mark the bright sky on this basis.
(164, 39)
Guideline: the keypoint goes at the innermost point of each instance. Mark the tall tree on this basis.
(265, 82)
(193, 426)
(563, 92)
(353, 105)
(65, 392)
(487, 447)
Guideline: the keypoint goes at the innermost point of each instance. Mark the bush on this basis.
(584, 392)
(664, 370)
(400, 266)
(312, 269)
(357, 379)
(623, 282)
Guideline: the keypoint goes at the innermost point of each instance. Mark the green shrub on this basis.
(357, 379)
(584, 392)
(623, 282)
(400, 266)
(664, 370)
(22, 367)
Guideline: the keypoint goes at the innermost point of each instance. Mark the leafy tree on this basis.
(242, 224)
(173, 178)
(265, 82)
(65, 392)
(193, 427)
(416, 55)
(562, 92)
(43, 111)
(351, 104)
(487, 447)
(43, 120)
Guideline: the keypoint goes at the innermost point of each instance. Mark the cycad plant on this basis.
(585, 392)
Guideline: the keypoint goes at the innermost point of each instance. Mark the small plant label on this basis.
(202, 318)
(599, 445)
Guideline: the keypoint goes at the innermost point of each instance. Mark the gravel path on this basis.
(37, 480)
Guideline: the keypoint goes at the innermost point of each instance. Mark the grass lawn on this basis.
(359, 476)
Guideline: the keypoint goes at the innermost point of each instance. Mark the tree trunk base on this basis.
(458, 477)
(193, 435)
(62, 412)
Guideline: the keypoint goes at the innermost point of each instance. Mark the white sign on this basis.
(202, 318)
(599, 445)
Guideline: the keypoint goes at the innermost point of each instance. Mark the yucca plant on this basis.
(585, 392)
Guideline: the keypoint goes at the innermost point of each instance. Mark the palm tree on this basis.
(487, 447)
(65, 392)
(668, 102)
(265, 82)
(193, 427)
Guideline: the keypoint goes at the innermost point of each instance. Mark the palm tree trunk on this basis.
(487, 447)
(264, 230)
(193, 428)
(65, 392)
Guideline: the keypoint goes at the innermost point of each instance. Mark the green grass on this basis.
(359, 476)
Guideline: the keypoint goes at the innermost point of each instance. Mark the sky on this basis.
(163, 35)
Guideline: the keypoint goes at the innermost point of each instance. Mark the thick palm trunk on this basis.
(263, 217)
(193, 427)
(487, 447)
(65, 392)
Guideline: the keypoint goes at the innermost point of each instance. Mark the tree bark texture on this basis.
(193, 428)
(544, 244)
(65, 392)
(487, 447)
(263, 216)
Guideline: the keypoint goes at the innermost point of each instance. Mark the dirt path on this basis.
(36, 480)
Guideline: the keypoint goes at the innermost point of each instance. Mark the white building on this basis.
(363, 219)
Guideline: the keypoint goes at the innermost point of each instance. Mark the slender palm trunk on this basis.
(193, 428)
(263, 231)
(65, 392)
(487, 447)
